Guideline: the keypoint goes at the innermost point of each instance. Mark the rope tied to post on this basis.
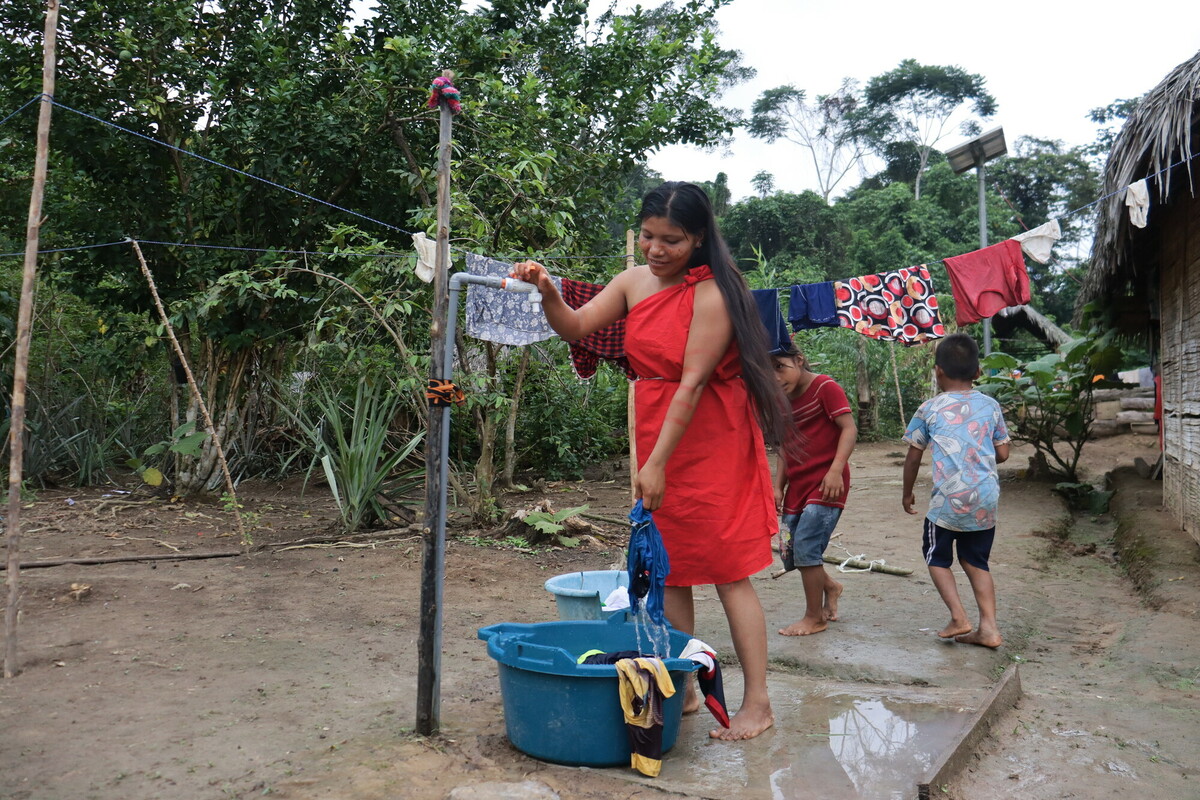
(443, 89)
(441, 393)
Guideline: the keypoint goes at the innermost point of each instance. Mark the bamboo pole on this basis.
(630, 404)
(433, 563)
(16, 431)
(191, 379)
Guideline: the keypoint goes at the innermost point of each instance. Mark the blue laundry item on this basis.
(499, 316)
(648, 564)
(812, 305)
(767, 301)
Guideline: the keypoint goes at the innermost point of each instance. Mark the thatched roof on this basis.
(1156, 136)
(1026, 317)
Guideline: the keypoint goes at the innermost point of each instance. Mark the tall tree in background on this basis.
(763, 183)
(914, 106)
(829, 127)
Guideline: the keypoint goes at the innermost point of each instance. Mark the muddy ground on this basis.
(292, 672)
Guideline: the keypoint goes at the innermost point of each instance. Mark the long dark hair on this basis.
(687, 206)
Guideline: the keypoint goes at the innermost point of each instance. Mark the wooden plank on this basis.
(958, 755)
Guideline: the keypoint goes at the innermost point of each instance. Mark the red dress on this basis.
(718, 511)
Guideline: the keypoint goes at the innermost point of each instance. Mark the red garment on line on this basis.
(718, 512)
(985, 281)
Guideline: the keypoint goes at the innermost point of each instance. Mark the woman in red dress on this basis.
(705, 395)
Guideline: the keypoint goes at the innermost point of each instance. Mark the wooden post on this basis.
(630, 405)
(433, 564)
(16, 431)
(196, 393)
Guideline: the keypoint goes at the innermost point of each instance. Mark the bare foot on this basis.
(746, 724)
(691, 698)
(954, 629)
(831, 600)
(992, 640)
(805, 627)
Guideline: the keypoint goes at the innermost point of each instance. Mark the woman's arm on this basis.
(574, 323)
(709, 336)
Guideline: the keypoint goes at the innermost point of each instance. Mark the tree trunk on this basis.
(510, 430)
(866, 395)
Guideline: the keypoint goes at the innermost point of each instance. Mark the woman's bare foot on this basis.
(746, 724)
(691, 698)
(805, 627)
(990, 639)
(954, 629)
(831, 600)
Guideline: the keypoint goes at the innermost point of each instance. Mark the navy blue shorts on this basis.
(974, 547)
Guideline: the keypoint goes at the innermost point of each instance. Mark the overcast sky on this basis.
(1047, 64)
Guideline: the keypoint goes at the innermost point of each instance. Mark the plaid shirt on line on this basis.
(608, 343)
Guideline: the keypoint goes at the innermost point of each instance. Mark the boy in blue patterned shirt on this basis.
(966, 432)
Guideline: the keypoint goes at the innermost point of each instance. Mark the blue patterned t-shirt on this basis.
(962, 430)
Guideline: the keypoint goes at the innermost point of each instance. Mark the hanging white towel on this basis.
(426, 256)
(1137, 197)
(1039, 242)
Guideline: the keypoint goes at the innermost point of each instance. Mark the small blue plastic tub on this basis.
(580, 595)
(568, 713)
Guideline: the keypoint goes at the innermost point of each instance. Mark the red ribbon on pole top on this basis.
(443, 89)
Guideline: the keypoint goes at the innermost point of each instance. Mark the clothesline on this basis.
(387, 225)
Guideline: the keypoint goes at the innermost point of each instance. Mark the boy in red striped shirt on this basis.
(811, 483)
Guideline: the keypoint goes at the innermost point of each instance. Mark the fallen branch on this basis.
(610, 520)
(60, 562)
(342, 543)
(167, 545)
(865, 566)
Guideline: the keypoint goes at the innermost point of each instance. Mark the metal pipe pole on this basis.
(433, 567)
(983, 242)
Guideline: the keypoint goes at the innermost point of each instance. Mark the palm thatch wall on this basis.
(1156, 141)
(1151, 276)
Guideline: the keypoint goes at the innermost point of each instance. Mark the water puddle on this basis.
(870, 747)
(873, 748)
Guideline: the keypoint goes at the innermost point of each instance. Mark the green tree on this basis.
(560, 110)
(797, 233)
(916, 104)
(830, 127)
(763, 183)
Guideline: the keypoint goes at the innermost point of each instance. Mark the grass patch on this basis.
(1136, 555)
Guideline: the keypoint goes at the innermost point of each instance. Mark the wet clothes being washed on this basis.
(644, 683)
(718, 513)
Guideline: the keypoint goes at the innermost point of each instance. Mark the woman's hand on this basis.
(535, 273)
(651, 486)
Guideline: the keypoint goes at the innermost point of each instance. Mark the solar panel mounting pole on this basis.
(433, 564)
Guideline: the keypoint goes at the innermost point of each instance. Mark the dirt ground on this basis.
(292, 672)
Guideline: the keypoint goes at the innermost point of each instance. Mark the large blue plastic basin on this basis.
(567, 713)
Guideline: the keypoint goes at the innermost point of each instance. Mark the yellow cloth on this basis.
(644, 683)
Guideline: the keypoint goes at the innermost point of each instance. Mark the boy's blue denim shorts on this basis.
(805, 536)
